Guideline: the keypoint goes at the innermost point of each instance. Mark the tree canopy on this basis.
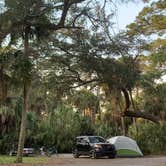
(63, 73)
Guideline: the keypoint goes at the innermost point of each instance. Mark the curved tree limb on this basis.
(127, 99)
(136, 114)
(140, 114)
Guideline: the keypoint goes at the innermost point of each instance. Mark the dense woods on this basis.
(63, 73)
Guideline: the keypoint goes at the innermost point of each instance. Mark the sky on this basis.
(124, 13)
(127, 13)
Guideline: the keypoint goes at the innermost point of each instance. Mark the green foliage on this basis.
(150, 137)
(151, 20)
(105, 130)
(61, 127)
(7, 141)
(22, 68)
(153, 99)
(31, 129)
(84, 99)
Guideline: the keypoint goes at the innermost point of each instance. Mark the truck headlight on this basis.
(97, 147)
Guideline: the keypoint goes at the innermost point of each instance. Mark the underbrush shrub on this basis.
(150, 137)
(106, 130)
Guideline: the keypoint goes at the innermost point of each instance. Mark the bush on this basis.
(150, 137)
(61, 127)
(105, 130)
(7, 141)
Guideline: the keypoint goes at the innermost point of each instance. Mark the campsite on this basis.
(83, 82)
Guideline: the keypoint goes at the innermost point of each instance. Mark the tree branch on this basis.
(66, 7)
(139, 114)
(127, 99)
(84, 83)
(16, 26)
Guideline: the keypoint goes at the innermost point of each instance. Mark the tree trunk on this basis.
(122, 118)
(123, 125)
(134, 108)
(24, 111)
(45, 103)
(93, 114)
(23, 126)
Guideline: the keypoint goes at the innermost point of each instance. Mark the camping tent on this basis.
(125, 146)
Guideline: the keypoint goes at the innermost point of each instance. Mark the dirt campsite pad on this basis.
(68, 160)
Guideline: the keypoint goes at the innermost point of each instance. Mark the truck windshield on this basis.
(96, 140)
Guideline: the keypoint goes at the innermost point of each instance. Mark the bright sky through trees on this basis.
(127, 13)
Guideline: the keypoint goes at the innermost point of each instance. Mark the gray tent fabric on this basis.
(125, 146)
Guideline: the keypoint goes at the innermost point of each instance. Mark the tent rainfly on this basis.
(125, 146)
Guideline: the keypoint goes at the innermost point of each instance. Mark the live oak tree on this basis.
(96, 57)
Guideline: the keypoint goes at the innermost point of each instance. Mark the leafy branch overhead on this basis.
(41, 17)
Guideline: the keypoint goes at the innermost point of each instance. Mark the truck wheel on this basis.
(75, 153)
(94, 155)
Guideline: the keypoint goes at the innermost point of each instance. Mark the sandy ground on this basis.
(121, 162)
(68, 160)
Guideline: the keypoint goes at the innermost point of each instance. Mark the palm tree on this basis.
(87, 103)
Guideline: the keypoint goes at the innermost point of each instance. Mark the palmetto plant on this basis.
(7, 119)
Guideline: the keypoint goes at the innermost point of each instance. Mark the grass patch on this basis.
(28, 160)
